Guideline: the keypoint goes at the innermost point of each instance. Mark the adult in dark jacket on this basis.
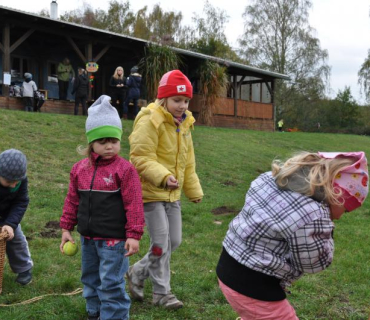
(117, 85)
(133, 84)
(81, 89)
(13, 205)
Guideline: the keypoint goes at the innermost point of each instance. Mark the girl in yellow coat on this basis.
(161, 149)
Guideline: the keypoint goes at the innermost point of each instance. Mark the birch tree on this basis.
(277, 37)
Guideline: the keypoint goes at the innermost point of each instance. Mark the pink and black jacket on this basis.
(104, 199)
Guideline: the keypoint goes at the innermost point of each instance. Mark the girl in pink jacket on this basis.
(104, 200)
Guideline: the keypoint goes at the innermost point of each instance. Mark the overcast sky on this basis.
(342, 26)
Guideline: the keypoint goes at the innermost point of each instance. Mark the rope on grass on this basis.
(77, 291)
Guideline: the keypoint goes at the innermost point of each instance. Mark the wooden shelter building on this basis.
(36, 44)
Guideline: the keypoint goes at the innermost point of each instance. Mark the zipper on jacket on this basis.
(178, 131)
(91, 187)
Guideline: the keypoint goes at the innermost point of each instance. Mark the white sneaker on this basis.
(135, 285)
(168, 301)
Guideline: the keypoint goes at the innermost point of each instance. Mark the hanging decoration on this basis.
(92, 66)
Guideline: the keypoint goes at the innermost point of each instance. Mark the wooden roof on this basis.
(24, 20)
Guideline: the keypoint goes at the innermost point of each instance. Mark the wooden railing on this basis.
(251, 115)
(245, 109)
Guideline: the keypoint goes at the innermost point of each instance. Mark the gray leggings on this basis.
(163, 220)
(18, 252)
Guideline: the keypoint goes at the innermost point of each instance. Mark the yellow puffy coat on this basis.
(157, 151)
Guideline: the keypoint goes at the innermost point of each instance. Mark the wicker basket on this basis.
(3, 236)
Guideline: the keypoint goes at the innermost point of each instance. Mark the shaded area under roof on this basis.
(62, 27)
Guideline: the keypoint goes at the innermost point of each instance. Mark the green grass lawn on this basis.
(227, 161)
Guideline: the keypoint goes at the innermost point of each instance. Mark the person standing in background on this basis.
(65, 72)
(117, 84)
(28, 90)
(280, 125)
(133, 83)
(81, 89)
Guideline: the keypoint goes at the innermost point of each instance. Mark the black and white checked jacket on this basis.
(281, 233)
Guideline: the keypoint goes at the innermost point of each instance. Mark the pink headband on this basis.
(352, 180)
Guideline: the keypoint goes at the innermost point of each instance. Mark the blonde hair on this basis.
(88, 150)
(318, 173)
(161, 102)
(116, 76)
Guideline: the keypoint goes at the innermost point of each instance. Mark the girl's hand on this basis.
(132, 246)
(10, 231)
(197, 201)
(172, 183)
(66, 236)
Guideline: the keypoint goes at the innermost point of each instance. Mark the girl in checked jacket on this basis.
(285, 229)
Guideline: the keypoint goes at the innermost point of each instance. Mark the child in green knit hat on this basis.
(104, 200)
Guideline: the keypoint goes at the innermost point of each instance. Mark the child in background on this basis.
(285, 229)
(280, 125)
(13, 205)
(133, 83)
(104, 200)
(28, 90)
(162, 152)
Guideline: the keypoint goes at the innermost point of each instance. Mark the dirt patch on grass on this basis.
(49, 234)
(229, 183)
(51, 230)
(223, 211)
(52, 225)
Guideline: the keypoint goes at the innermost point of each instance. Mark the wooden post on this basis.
(235, 87)
(104, 82)
(76, 49)
(6, 56)
(272, 91)
(7, 50)
(41, 83)
(240, 86)
(16, 44)
(261, 96)
(273, 102)
(89, 58)
(101, 53)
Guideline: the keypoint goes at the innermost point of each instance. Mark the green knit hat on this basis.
(103, 121)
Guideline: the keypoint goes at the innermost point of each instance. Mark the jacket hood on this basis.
(159, 115)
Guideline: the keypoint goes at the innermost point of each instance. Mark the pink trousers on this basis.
(252, 309)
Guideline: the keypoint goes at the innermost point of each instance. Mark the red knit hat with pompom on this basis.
(174, 83)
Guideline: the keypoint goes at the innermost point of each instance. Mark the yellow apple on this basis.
(70, 249)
